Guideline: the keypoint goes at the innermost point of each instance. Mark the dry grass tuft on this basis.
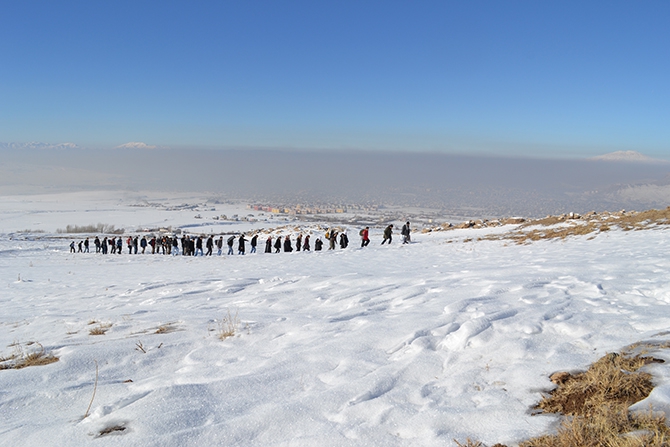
(101, 329)
(614, 379)
(228, 325)
(469, 443)
(22, 359)
(166, 328)
(596, 403)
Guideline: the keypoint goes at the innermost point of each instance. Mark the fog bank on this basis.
(487, 185)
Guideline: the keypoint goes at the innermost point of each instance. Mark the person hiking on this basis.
(305, 245)
(104, 246)
(219, 245)
(253, 242)
(97, 244)
(278, 244)
(136, 242)
(298, 242)
(86, 246)
(129, 243)
(344, 240)
(388, 234)
(318, 243)
(175, 246)
(240, 245)
(80, 246)
(72, 250)
(405, 233)
(198, 246)
(332, 239)
(119, 245)
(287, 244)
(210, 245)
(184, 245)
(365, 237)
(230, 242)
(268, 245)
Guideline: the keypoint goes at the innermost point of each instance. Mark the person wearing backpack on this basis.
(365, 236)
(254, 242)
(230, 242)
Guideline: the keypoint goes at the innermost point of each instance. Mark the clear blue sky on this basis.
(534, 78)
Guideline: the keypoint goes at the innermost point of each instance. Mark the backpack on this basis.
(360, 233)
(230, 240)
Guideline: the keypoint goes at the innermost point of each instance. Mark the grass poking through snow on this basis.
(35, 356)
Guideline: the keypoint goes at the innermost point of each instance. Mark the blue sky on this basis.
(545, 79)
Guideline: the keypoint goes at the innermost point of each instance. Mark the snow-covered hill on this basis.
(395, 345)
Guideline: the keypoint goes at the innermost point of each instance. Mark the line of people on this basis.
(193, 246)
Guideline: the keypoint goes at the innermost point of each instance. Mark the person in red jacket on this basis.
(365, 236)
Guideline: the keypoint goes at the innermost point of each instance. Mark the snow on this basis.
(389, 345)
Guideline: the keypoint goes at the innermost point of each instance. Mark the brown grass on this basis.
(166, 328)
(228, 325)
(596, 405)
(591, 224)
(21, 359)
(101, 329)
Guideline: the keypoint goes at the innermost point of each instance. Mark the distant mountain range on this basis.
(628, 156)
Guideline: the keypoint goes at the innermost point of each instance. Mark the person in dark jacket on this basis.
(344, 240)
(298, 242)
(268, 245)
(287, 244)
(305, 245)
(332, 239)
(253, 242)
(318, 243)
(230, 242)
(278, 244)
(406, 232)
(184, 245)
(198, 246)
(219, 245)
(388, 234)
(119, 245)
(210, 245)
(240, 245)
(96, 242)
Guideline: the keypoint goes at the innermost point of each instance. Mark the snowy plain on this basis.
(414, 345)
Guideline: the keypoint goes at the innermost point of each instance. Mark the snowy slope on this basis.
(387, 345)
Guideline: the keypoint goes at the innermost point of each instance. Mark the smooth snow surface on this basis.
(383, 346)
